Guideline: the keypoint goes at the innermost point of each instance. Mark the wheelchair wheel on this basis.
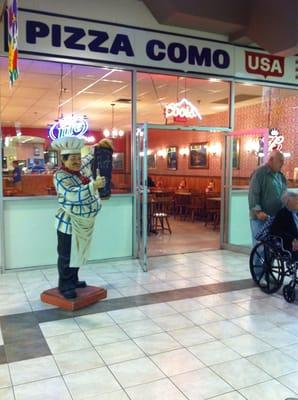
(289, 293)
(266, 267)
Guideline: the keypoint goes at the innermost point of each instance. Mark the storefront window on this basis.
(266, 118)
(47, 92)
(210, 97)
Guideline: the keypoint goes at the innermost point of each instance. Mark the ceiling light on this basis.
(214, 80)
(114, 132)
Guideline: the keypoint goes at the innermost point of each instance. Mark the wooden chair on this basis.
(181, 201)
(196, 207)
(160, 213)
(212, 211)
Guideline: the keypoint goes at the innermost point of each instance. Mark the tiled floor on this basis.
(220, 341)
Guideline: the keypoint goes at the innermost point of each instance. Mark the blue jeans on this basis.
(255, 226)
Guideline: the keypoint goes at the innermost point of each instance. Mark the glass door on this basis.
(141, 195)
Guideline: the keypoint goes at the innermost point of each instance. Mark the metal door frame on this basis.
(224, 192)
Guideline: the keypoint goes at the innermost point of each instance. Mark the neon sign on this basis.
(275, 140)
(182, 111)
(75, 125)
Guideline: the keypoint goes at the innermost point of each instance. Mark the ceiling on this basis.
(34, 100)
(271, 24)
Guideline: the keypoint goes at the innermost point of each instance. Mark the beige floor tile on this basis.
(191, 336)
(91, 383)
(213, 353)
(140, 328)
(222, 329)
(201, 384)
(118, 352)
(6, 394)
(176, 362)
(79, 360)
(136, 372)
(34, 369)
(162, 389)
(270, 390)
(230, 372)
(275, 363)
(68, 342)
(94, 321)
(157, 343)
(246, 345)
(4, 376)
(61, 327)
(49, 389)
(291, 381)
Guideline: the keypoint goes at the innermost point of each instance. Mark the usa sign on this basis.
(264, 64)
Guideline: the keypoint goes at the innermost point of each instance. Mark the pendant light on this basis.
(114, 132)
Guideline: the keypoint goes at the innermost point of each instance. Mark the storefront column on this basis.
(226, 178)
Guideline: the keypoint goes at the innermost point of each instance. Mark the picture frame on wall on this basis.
(151, 160)
(118, 161)
(198, 155)
(172, 162)
(236, 153)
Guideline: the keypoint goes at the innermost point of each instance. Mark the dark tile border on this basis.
(23, 338)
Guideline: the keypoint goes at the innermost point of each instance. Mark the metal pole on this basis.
(134, 158)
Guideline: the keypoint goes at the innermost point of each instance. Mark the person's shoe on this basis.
(69, 294)
(81, 284)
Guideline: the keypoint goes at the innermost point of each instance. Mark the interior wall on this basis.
(159, 139)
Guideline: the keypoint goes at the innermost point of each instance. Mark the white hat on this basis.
(68, 145)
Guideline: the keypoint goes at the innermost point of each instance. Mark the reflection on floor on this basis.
(186, 237)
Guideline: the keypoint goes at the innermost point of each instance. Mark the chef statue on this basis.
(79, 203)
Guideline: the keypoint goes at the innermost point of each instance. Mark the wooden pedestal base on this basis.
(85, 297)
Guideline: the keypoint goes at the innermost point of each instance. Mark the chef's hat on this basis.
(68, 145)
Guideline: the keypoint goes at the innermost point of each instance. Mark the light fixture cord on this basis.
(60, 109)
(156, 94)
(269, 108)
(113, 105)
(71, 88)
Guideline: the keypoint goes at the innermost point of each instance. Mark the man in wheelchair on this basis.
(275, 256)
(285, 224)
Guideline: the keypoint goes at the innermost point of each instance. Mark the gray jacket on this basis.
(265, 191)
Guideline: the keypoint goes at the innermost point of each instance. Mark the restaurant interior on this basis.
(185, 167)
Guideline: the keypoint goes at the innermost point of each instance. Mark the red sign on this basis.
(264, 64)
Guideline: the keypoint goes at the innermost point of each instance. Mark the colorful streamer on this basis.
(13, 71)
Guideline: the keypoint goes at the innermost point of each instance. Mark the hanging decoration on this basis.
(12, 11)
(182, 111)
(114, 132)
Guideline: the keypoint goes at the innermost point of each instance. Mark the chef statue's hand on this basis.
(99, 182)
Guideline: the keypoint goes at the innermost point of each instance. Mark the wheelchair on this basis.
(270, 263)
